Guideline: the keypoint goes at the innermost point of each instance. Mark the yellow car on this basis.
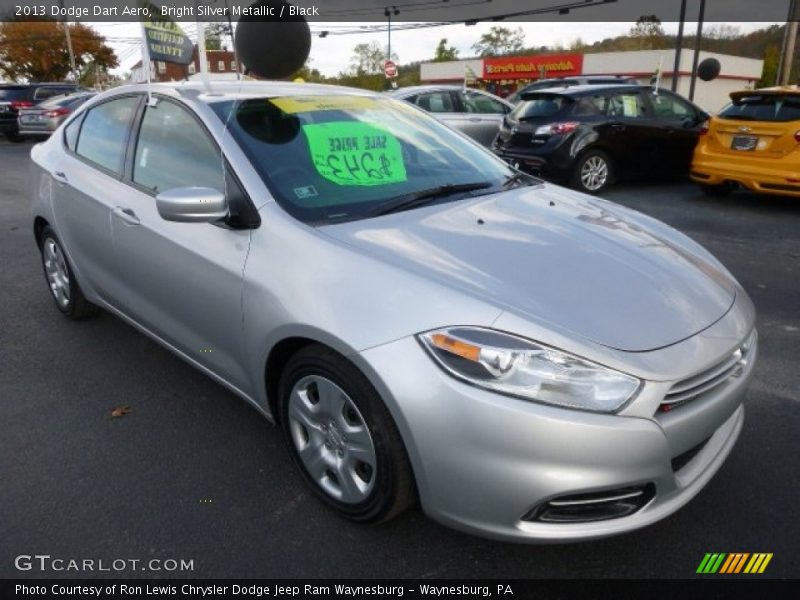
(753, 142)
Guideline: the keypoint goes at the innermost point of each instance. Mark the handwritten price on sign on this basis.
(355, 153)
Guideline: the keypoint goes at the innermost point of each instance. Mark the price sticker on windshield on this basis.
(355, 153)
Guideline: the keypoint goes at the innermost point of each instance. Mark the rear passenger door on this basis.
(482, 115)
(86, 185)
(182, 281)
(442, 105)
(678, 128)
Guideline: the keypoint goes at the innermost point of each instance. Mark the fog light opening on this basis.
(595, 506)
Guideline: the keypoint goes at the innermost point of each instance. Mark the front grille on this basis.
(692, 387)
(595, 506)
(683, 459)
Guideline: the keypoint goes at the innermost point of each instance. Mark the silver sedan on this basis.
(424, 323)
(474, 113)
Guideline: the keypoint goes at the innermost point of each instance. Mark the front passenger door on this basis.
(181, 281)
(678, 127)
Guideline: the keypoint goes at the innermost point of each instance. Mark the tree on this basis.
(443, 53)
(769, 74)
(37, 50)
(647, 26)
(217, 36)
(368, 59)
(500, 40)
(646, 34)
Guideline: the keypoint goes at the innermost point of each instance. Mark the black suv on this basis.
(16, 96)
(588, 136)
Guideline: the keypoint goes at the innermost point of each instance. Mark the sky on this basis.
(332, 54)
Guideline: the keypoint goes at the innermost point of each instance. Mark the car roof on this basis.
(36, 84)
(218, 91)
(580, 90)
(780, 90)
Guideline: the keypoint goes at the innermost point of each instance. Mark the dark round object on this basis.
(269, 46)
(708, 69)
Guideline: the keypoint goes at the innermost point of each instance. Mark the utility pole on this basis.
(69, 45)
(678, 46)
(388, 12)
(787, 53)
(698, 38)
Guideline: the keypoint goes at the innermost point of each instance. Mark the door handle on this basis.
(60, 177)
(127, 215)
(475, 119)
(617, 126)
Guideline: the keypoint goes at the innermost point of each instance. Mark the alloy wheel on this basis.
(594, 173)
(57, 273)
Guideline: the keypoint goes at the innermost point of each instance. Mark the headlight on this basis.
(517, 367)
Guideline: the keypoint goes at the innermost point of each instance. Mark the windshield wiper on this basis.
(422, 197)
(517, 177)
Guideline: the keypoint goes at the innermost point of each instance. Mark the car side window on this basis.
(475, 102)
(71, 133)
(590, 106)
(173, 150)
(670, 107)
(435, 102)
(104, 133)
(629, 105)
(43, 93)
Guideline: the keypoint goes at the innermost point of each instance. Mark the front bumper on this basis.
(483, 462)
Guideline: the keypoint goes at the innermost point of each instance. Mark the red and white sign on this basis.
(390, 69)
(531, 67)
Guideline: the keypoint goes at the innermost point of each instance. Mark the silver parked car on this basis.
(43, 119)
(423, 322)
(475, 113)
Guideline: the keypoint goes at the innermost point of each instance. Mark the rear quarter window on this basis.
(763, 107)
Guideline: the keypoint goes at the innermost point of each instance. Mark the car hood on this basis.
(578, 264)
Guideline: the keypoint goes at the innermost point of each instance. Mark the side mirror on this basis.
(192, 205)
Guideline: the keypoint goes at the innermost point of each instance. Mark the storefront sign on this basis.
(532, 67)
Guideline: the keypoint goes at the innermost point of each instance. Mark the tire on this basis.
(64, 289)
(717, 191)
(593, 172)
(342, 437)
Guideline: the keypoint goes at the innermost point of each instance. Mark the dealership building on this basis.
(503, 75)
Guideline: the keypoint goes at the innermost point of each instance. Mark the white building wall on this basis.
(736, 73)
(450, 70)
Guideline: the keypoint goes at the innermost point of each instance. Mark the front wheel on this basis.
(593, 172)
(342, 437)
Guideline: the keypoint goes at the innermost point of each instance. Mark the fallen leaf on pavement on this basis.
(121, 411)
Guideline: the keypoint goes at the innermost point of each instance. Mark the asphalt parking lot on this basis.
(194, 473)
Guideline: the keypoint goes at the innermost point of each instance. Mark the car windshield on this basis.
(538, 105)
(340, 158)
(763, 107)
